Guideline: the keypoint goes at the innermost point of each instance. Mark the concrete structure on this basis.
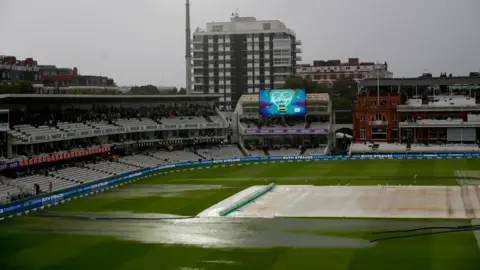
(243, 55)
(327, 72)
(188, 49)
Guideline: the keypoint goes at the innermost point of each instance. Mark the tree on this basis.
(341, 103)
(144, 90)
(301, 83)
(345, 88)
(182, 91)
(16, 87)
(105, 91)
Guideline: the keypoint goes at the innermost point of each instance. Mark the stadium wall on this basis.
(40, 202)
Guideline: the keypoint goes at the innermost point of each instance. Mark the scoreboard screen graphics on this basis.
(282, 102)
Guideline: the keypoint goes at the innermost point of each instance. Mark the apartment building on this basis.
(243, 56)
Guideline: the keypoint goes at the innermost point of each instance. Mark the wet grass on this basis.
(21, 249)
(52, 251)
(187, 203)
(349, 172)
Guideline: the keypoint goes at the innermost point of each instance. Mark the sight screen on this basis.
(282, 102)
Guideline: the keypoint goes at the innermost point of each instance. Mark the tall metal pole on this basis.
(188, 54)
(378, 88)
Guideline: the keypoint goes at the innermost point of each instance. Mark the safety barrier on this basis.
(23, 206)
(244, 201)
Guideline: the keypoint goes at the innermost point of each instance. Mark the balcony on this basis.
(430, 108)
(378, 123)
(298, 58)
(298, 42)
(457, 123)
(298, 50)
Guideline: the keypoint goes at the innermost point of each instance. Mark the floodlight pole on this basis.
(188, 49)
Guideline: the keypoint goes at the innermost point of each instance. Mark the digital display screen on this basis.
(282, 102)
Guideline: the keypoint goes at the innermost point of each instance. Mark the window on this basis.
(379, 134)
(217, 28)
(363, 134)
(379, 117)
(266, 26)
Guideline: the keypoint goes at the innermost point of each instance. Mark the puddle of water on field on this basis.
(230, 232)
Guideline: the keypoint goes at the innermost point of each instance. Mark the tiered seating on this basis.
(79, 175)
(221, 152)
(5, 191)
(141, 160)
(112, 168)
(315, 151)
(447, 148)
(184, 120)
(388, 148)
(217, 119)
(133, 122)
(100, 125)
(73, 126)
(25, 131)
(257, 153)
(175, 156)
(44, 182)
(284, 152)
(443, 101)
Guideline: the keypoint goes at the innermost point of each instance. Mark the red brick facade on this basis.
(373, 116)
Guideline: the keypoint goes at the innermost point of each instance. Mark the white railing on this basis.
(68, 135)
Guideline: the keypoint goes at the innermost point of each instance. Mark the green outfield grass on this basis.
(35, 242)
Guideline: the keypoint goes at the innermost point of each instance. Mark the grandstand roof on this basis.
(87, 98)
(421, 81)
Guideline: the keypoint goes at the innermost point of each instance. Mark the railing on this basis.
(456, 124)
(378, 123)
(408, 108)
(68, 135)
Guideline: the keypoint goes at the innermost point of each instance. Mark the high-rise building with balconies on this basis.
(243, 56)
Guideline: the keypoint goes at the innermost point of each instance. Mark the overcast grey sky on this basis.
(142, 41)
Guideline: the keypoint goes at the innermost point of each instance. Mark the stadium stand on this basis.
(59, 141)
(391, 148)
(284, 152)
(443, 101)
(175, 156)
(221, 152)
(315, 151)
(142, 161)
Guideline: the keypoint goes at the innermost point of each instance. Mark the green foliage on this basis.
(342, 93)
(96, 92)
(182, 91)
(144, 90)
(16, 87)
(309, 86)
(346, 88)
(153, 90)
